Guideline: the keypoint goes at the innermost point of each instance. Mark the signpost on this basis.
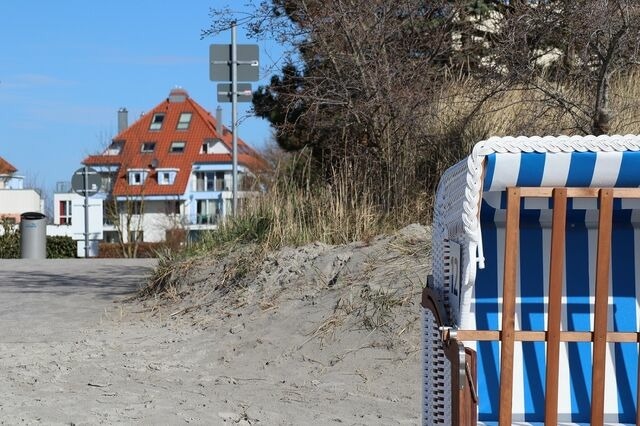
(86, 182)
(225, 92)
(235, 62)
(247, 62)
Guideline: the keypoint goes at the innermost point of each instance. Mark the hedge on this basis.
(57, 247)
(10, 245)
(145, 250)
(61, 247)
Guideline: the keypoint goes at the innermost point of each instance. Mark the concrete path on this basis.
(51, 300)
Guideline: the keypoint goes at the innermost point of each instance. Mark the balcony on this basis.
(63, 187)
(202, 219)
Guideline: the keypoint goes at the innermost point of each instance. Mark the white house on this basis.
(14, 198)
(169, 171)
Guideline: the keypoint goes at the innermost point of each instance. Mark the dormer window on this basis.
(137, 176)
(167, 176)
(184, 121)
(115, 148)
(156, 121)
(148, 147)
(177, 147)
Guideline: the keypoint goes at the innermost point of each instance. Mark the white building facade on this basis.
(14, 198)
(168, 175)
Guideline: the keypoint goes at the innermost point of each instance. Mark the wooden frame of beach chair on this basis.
(450, 371)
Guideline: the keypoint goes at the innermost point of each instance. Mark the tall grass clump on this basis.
(296, 209)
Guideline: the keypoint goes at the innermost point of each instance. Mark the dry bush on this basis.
(298, 208)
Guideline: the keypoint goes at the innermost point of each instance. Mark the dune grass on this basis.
(298, 208)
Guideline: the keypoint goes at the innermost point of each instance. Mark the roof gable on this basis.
(218, 147)
(6, 168)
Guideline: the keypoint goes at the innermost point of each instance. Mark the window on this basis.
(136, 236)
(107, 181)
(173, 207)
(166, 176)
(220, 181)
(156, 121)
(177, 147)
(115, 148)
(207, 211)
(137, 176)
(65, 212)
(111, 237)
(148, 147)
(209, 181)
(184, 120)
(130, 207)
(205, 148)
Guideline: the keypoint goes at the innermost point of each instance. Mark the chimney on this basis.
(219, 126)
(123, 119)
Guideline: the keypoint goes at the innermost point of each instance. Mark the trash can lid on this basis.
(32, 216)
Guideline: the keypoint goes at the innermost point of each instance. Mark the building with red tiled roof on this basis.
(6, 169)
(173, 167)
(14, 199)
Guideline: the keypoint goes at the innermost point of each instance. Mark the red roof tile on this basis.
(6, 168)
(201, 128)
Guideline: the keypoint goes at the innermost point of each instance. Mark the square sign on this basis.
(220, 62)
(225, 93)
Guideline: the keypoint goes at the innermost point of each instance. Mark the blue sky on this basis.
(68, 66)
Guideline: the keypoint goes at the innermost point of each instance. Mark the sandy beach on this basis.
(319, 335)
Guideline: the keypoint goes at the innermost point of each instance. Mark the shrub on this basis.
(61, 247)
(9, 241)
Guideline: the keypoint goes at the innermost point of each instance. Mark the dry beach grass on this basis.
(317, 334)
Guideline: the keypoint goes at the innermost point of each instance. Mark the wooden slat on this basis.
(469, 406)
(555, 304)
(509, 305)
(601, 305)
(534, 192)
(541, 336)
(537, 192)
(453, 354)
(477, 335)
(626, 192)
(622, 337)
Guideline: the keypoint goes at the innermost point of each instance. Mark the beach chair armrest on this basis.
(432, 300)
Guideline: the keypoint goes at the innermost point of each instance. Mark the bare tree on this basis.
(359, 90)
(386, 93)
(127, 217)
(569, 52)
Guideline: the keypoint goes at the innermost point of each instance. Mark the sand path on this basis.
(70, 355)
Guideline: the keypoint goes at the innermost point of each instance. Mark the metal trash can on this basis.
(33, 235)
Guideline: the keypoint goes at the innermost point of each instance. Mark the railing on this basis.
(462, 365)
(202, 219)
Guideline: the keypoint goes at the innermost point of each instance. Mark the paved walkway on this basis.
(50, 300)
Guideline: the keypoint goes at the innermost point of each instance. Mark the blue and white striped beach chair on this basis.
(531, 315)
